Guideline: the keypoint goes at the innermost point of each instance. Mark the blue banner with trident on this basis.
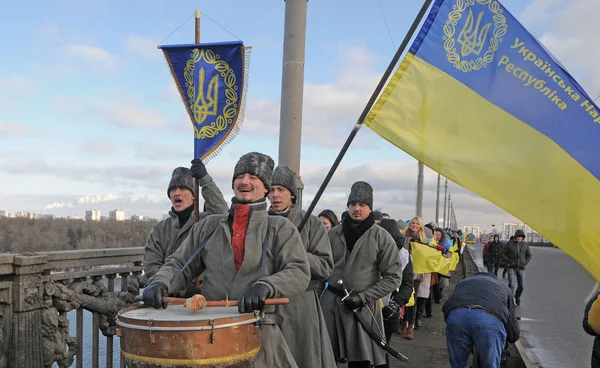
(212, 81)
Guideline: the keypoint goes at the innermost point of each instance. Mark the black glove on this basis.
(353, 302)
(154, 293)
(254, 298)
(387, 312)
(198, 169)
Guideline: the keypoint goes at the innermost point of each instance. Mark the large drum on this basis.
(174, 337)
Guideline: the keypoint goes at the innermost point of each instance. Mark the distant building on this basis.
(511, 228)
(3, 213)
(47, 216)
(472, 230)
(23, 214)
(74, 218)
(117, 215)
(103, 218)
(137, 218)
(92, 215)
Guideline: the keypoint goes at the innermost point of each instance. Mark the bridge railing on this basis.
(38, 290)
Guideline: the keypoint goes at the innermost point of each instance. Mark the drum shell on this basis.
(233, 342)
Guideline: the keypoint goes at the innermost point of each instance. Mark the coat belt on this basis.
(337, 292)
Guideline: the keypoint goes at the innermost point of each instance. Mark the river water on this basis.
(87, 338)
(87, 342)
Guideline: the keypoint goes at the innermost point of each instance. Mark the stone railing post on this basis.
(26, 348)
(6, 295)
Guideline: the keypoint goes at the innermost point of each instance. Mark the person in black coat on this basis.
(493, 255)
(586, 326)
(401, 295)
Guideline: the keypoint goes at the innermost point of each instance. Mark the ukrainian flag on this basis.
(525, 135)
(427, 259)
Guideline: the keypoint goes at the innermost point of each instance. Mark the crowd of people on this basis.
(347, 280)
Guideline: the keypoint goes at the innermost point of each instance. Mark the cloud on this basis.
(54, 33)
(18, 84)
(91, 54)
(143, 46)
(142, 189)
(13, 129)
(127, 114)
(329, 110)
(123, 176)
(16, 88)
(567, 29)
(158, 151)
(98, 198)
(54, 205)
(98, 147)
(126, 111)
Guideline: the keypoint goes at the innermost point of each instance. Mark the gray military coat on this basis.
(372, 270)
(167, 236)
(286, 269)
(304, 326)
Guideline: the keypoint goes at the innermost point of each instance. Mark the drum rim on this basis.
(187, 328)
(175, 362)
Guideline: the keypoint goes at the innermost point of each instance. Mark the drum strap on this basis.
(272, 319)
(189, 260)
(263, 258)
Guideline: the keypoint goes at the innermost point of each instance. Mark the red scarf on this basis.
(241, 216)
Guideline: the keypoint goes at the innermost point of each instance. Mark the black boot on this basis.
(428, 310)
(421, 302)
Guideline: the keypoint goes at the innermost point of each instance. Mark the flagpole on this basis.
(445, 202)
(420, 180)
(437, 202)
(363, 115)
(449, 203)
(196, 183)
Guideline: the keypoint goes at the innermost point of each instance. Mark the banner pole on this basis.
(363, 115)
(196, 184)
(197, 281)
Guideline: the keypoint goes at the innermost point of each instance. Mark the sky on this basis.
(90, 117)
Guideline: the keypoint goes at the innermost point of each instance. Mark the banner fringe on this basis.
(239, 121)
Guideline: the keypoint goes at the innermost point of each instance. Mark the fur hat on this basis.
(361, 192)
(181, 178)
(257, 164)
(284, 176)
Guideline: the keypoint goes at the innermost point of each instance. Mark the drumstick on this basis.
(223, 303)
(198, 302)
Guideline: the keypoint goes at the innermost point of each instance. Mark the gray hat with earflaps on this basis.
(361, 192)
(257, 164)
(181, 178)
(284, 176)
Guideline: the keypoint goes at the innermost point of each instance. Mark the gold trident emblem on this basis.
(471, 38)
(206, 101)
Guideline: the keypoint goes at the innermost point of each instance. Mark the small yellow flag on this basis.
(427, 259)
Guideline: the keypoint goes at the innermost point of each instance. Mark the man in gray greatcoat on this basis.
(367, 260)
(230, 251)
(168, 234)
(303, 326)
